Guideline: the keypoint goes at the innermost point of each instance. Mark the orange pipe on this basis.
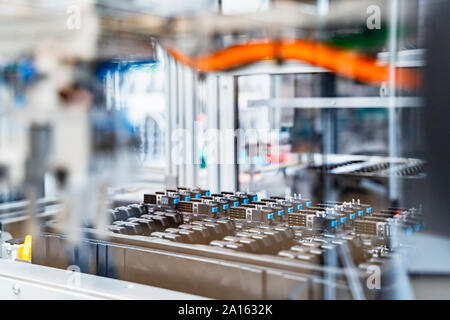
(346, 63)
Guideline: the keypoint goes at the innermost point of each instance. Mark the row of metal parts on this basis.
(217, 233)
(137, 219)
(277, 238)
(166, 223)
(330, 216)
(377, 223)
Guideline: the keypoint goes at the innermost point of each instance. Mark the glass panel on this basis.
(314, 135)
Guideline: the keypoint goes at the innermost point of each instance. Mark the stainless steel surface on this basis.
(23, 281)
(196, 269)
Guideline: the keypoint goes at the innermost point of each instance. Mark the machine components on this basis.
(368, 166)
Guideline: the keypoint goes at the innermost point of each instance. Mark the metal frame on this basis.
(337, 102)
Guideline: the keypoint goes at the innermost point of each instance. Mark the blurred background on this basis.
(104, 101)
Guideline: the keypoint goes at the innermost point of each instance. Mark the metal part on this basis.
(337, 102)
(26, 281)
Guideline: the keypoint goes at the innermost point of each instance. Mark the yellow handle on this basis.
(24, 251)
